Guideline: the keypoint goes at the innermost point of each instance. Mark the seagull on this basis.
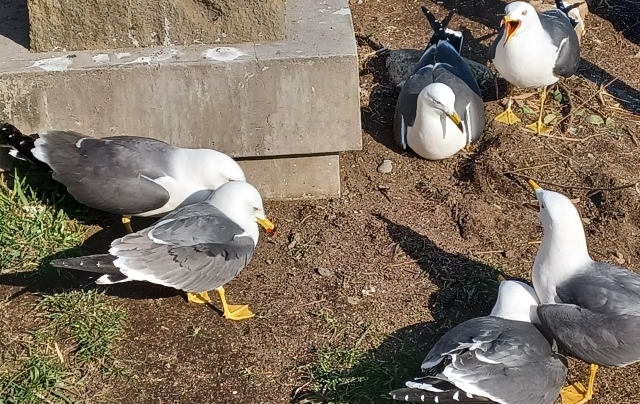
(591, 308)
(439, 110)
(196, 248)
(501, 358)
(126, 175)
(534, 50)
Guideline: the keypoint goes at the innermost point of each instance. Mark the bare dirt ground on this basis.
(412, 252)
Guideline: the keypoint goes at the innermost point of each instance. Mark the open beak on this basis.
(511, 26)
(266, 223)
(456, 119)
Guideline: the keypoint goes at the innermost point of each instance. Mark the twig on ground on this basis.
(529, 168)
(569, 112)
(553, 184)
(592, 96)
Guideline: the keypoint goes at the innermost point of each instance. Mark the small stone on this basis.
(590, 155)
(385, 167)
(323, 271)
(292, 245)
(269, 262)
(353, 300)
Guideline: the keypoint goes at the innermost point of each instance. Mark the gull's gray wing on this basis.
(604, 289)
(492, 49)
(609, 340)
(407, 104)
(113, 174)
(508, 360)
(598, 318)
(563, 36)
(447, 55)
(195, 248)
(468, 103)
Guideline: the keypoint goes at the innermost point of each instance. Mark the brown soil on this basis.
(416, 235)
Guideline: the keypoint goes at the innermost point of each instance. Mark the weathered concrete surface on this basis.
(298, 96)
(82, 25)
(295, 177)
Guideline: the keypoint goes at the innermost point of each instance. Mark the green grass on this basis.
(95, 323)
(85, 326)
(361, 369)
(64, 350)
(33, 226)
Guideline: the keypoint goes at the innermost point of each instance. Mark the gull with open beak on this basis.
(534, 50)
(439, 110)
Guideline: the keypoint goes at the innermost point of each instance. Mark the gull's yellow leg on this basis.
(198, 298)
(231, 311)
(576, 393)
(126, 222)
(508, 116)
(539, 126)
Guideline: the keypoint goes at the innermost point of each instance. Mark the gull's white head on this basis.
(225, 168)
(556, 212)
(519, 18)
(516, 301)
(442, 99)
(242, 203)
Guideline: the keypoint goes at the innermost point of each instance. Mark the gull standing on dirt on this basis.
(126, 175)
(501, 358)
(196, 248)
(534, 50)
(592, 308)
(439, 110)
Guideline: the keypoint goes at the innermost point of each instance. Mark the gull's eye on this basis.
(256, 209)
(525, 12)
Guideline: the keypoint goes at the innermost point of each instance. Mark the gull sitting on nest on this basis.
(439, 110)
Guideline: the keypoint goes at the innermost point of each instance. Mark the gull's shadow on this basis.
(14, 21)
(624, 15)
(46, 279)
(466, 288)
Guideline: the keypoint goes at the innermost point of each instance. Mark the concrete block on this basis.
(295, 177)
(297, 96)
(82, 25)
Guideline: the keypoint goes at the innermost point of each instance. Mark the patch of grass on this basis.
(362, 371)
(94, 322)
(38, 378)
(59, 360)
(33, 226)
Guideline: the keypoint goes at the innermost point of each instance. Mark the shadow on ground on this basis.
(466, 288)
(14, 21)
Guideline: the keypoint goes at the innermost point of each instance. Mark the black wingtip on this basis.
(22, 143)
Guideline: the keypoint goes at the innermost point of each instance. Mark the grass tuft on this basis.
(362, 371)
(95, 323)
(33, 226)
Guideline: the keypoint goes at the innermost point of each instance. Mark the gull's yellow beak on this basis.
(456, 119)
(534, 185)
(266, 223)
(511, 26)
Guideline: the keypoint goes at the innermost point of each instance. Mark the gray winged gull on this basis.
(500, 358)
(196, 248)
(439, 109)
(534, 50)
(126, 175)
(591, 308)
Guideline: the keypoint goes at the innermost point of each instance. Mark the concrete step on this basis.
(297, 96)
